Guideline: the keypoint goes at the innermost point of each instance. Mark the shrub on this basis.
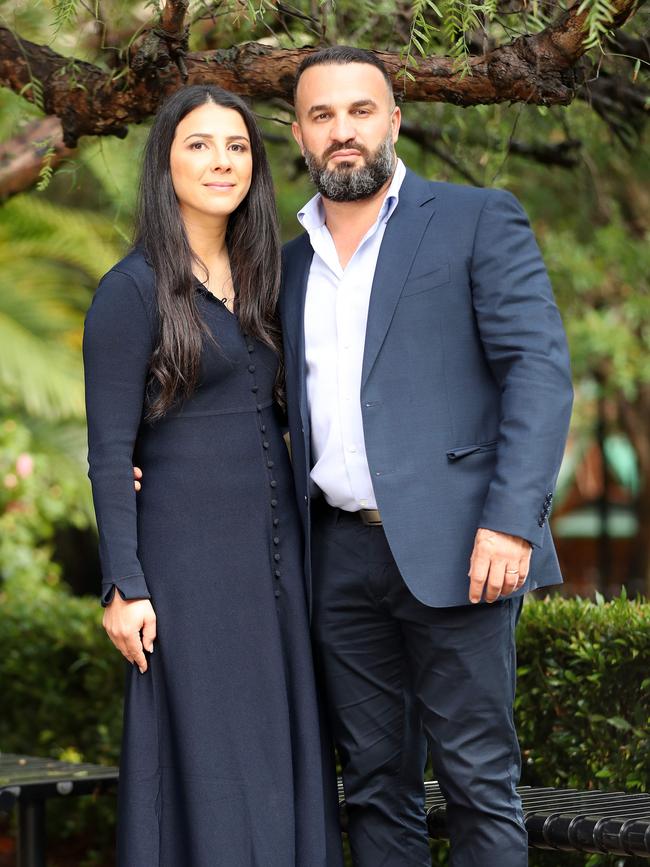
(61, 682)
(582, 705)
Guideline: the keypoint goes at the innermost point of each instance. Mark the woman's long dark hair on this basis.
(252, 240)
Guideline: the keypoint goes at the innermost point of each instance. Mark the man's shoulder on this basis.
(298, 244)
(296, 250)
(460, 195)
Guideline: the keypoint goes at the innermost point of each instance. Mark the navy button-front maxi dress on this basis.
(223, 759)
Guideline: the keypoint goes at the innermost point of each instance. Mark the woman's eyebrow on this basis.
(208, 135)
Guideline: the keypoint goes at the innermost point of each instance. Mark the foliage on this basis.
(582, 709)
(50, 258)
(38, 495)
(583, 704)
(62, 684)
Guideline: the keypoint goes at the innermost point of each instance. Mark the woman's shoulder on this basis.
(135, 267)
(126, 290)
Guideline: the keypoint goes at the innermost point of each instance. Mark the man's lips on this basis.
(345, 154)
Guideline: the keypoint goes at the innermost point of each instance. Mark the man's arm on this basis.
(525, 345)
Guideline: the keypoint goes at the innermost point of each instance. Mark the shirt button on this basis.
(259, 407)
(273, 483)
(270, 464)
(276, 521)
(263, 428)
(352, 449)
(265, 444)
(277, 558)
(251, 368)
(274, 503)
(255, 389)
(250, 347)
(277, 594)
(276, 540)
(277, 573)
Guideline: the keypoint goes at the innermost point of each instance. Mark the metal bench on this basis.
(565, 820)
(28, 782)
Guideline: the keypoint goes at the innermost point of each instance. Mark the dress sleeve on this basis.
(117, 347)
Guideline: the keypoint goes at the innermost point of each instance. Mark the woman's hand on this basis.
(131, 626)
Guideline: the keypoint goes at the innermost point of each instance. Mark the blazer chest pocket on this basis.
(463, 451)
(417, 283)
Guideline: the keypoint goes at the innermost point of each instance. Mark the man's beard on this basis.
(347, 184)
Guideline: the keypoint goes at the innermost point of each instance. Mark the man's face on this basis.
(346, 126)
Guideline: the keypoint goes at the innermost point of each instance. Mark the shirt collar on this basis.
(312, 215)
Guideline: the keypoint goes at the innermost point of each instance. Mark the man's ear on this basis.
(297, 134)
(395, 122)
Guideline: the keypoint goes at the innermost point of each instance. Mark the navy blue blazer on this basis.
(466, 387)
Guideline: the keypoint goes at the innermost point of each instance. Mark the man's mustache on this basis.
(344, 146)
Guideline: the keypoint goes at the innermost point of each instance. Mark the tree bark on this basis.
(22, 158)
(88, 100)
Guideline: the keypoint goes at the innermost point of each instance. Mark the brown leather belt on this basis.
(370, 517)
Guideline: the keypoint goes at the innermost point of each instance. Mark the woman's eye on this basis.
(197, 145)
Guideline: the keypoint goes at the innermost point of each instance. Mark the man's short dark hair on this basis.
(340, 55)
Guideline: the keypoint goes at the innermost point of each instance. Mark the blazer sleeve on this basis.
(525, 345)
(117, 347)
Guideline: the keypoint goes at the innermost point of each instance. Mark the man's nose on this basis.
(342, 129)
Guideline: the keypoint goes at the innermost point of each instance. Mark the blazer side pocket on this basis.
(418, 283)
(463, 451)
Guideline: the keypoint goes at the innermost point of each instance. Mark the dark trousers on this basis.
(399, 674)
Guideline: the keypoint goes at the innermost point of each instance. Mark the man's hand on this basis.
(137, 475)
(498, 566)
(124, 620)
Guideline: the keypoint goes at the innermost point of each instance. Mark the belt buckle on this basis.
(371, 517)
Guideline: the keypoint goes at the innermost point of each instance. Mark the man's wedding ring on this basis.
(512, 571)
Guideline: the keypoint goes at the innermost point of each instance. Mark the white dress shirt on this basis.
(336, 312)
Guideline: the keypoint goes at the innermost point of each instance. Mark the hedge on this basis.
(583, 703)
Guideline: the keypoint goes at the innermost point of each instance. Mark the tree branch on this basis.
(562, 154)
(88, 100)
(22, 158)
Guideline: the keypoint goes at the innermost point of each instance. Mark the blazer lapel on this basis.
(398, 248)
(296, 272)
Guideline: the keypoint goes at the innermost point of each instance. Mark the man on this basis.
(429, 396)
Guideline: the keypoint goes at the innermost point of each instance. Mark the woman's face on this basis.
(210, 161)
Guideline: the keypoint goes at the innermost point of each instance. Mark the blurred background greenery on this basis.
(582, 172)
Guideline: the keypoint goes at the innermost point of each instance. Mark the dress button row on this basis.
(277, 574)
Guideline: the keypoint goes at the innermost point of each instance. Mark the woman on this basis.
(222, 758)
